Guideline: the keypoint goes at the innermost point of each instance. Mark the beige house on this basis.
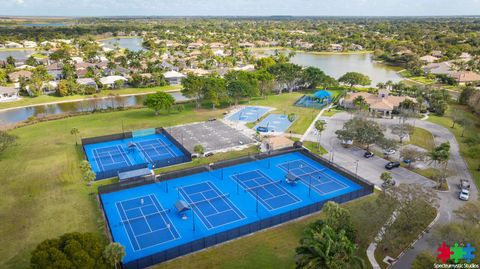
(465, 77)
(382, 103)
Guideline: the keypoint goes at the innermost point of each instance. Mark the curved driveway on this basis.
(371, 169)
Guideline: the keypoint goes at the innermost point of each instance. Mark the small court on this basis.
(248, 114)
(146, 222)
(143, 148)
(213, 135)
(318, 179)
(268, 192)
(213, 207)
(277, 123)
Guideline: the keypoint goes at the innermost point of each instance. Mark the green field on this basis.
(27, 101)
(42, 195)
(422, 138)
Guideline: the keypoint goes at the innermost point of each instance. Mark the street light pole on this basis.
(356, 168)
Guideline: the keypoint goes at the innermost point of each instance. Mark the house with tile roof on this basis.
(382, 103)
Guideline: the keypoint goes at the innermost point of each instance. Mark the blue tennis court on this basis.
(248, 114)
(213, 207)
(317, 179)
(146, 222)
(216, 205)
(278, 123)
(269, 193)
(124, 154)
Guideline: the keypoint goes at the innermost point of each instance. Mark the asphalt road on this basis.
(372, 168)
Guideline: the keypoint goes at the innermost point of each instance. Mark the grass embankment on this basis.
(42, 195)
(418, 79)
(27, 101)
(473, 130)
(275, 247)
(422, 138)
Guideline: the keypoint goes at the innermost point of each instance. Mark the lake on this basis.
(133, 44)
(336, 65)
(16, 115)
(17, 54)
(45, 24)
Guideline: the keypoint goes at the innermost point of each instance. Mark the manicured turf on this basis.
(422, 138)
(25, 101)
(42, 195)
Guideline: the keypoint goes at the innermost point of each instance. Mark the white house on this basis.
(109, 81)
(8, 94)
(13, 45)
(87, 82)
(29, 44)
(174, 77)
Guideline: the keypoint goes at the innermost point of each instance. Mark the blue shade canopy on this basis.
(322, 94)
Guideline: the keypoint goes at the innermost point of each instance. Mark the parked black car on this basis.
(368, 154)
(392, 165)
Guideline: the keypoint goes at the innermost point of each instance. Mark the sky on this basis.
(239, 7)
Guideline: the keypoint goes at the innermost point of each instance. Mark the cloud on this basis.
(20, 2)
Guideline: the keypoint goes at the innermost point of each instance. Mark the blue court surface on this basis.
(248, 114)
(274, 123)
(120, 154)
(145, 219)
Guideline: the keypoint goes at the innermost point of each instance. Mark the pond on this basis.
(131, 43)
(15, 115)
(336, 65)
(45, 24)
(17, 54)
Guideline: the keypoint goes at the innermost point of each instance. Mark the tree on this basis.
(74, 131)
(71, 250)
(411, 154)
(286, 74)
(320, 127)
(440, 154)
(312, 77)
(292, 117)
(192, 88)
(199, 149)
(386, 176)
(88, 176)
(387, 143)
(159, 101)
(6, 140)
(323, 247)
(360, 103)
(457, 117)
(3, 77)
(424, 260)
(338, 219)
(354, 78)
(118, 83)
(360, 130)
(469, 213)
(114, 253)
(266, 82)
(39, 77)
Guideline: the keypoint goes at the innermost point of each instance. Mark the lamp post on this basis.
(356, 168)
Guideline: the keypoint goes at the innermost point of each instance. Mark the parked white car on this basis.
(464, 195)
(389, 152)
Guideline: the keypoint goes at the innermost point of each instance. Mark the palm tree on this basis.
(74, 132)
(325, 248)
(320, 127)
(114, 253)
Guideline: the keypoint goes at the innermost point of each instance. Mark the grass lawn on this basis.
(446, 121)
(272, 248)
(284, 104)
(25, 101)
(42, 196)
(331, 112)
(312, 146)
(422, 138)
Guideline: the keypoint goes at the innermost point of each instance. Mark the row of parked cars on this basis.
(389, 165)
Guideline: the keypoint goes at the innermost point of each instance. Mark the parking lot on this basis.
(213, 135)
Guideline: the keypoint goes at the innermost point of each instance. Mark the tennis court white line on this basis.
(332, 179)
(95, 153)
(190, 201)
(164, 221)
(265, 204)
(130, 227)
(226, 199)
